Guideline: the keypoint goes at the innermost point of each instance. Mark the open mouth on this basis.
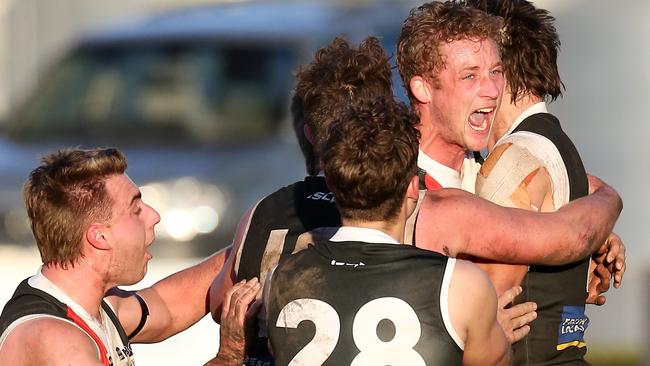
(479, 120)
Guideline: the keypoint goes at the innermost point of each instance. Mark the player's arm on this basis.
(520, 182)
(237, 310)
(453, 221)
(174, 303)
(473, 309)
(227, 277)
(49, 341)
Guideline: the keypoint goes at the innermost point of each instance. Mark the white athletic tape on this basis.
(507, 175)
(544, 150)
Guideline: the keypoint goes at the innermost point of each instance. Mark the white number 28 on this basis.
(374, 351)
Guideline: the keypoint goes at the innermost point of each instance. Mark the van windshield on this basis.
(194, 92)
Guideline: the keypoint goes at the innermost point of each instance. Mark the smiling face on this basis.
(468, 92)
(130, 230)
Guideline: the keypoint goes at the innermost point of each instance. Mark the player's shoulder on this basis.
(473, 278)
(49, 336)
(513, 153)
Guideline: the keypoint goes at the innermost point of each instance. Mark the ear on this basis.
(420, 89)
(308, 135)
(413, 189)
(97, 237)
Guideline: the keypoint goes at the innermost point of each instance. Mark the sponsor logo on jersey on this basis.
(572, 327)
(321, 196)
(355, 265)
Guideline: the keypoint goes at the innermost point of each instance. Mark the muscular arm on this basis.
(473, 309)
(452, 221)
(175, 303)
(227, 277)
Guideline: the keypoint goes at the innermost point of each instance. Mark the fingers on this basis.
(508, 296)
(618, 276)
(604, 275)
(594, 298)
(244, 297)
(238, 298)
(594, 183)
(515, 320)
(225, 311)
(613, 244)
(618, 260)
(521, 314)
(519, 334)
(614, 259)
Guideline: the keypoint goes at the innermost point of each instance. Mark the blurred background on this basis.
(196, 93)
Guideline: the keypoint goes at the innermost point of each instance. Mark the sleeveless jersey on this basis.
(29, 303)
(438, 176)
(353, 303)
(557, 335)
(281, 224)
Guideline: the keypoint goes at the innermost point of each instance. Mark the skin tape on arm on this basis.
(507, 175)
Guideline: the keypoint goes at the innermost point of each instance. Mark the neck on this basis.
(435, 146)
(393, 227)
(508, 113)
(81, 283)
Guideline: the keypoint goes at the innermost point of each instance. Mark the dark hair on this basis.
(428, 27)
(338, 75)
(529, 47)
(369, 156)
(65, 194)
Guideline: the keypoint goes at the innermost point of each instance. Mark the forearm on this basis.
(221, 284)
(180, 300)
(520, 237)
(577, 229)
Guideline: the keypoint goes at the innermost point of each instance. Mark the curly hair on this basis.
(338, 75)
(529, 47)
(428, 27)
(369, 156)
(64, 195)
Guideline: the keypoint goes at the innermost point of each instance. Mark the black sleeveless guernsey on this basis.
(557, 335)
(281, 225)
(352, 303)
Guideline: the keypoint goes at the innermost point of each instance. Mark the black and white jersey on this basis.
(354, 303)
(557, 335)
(281, 224)
(37, 297)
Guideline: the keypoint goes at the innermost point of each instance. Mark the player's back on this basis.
(365, 304)
(281, 224)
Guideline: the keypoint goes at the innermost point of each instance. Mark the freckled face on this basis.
(468, 93)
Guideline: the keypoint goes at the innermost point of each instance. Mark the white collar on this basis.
(39, 281)
(533, 109)
(362, 234)
(446, 176)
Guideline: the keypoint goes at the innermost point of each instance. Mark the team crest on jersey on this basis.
(572, 327)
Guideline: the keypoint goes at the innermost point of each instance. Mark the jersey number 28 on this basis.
(373, 351)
